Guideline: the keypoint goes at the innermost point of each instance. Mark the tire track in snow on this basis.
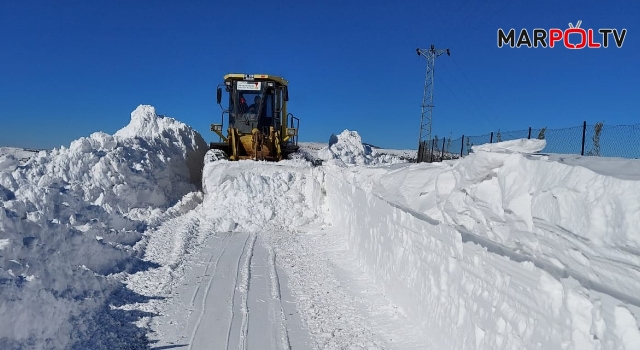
(233, 294)
(328, 312)
(225, 240)
(275, 295)
(204, 299)
(273, 325)
(244, 290)
(242, 305)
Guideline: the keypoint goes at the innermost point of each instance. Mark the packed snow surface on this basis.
(502, 249)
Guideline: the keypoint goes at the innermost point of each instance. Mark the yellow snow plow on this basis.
(258, 126)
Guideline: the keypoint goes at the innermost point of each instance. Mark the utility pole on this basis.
(426, 119)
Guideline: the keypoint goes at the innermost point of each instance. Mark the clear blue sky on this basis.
(69, 68)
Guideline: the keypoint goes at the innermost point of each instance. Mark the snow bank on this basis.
(347, 149)
(68, 219)
(501, 249)
(258, 196)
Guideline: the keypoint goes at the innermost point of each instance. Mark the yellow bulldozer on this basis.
(258, 125)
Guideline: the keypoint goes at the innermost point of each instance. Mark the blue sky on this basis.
(69, 68)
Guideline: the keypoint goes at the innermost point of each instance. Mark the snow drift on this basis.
(68, 219)
(501, 249)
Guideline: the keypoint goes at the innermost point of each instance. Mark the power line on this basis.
(478, 92)
(468, 91)
(461, 102)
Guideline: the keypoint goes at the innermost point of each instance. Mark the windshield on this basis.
(248, 101)
(251, 105)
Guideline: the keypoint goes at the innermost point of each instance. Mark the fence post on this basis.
(584, 133)
(491, 139)
(442, 153)
(433, 142)
(529, 137)
(425, 152)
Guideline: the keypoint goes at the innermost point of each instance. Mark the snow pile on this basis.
(502, 249)
(347, 149)
(270, 196)
(69, 217)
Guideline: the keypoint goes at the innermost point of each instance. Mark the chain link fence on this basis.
(588, 140)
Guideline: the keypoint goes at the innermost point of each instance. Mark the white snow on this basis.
(347, 148)
(512, 146)
(505, 248)
(15, 154)
(500, 249)
(55, 271)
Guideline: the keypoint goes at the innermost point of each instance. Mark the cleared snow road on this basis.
(235, 300)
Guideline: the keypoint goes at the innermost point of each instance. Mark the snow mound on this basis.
(512, 146)
(68, 220)
(347, 149)
(146, 123)
(257, 196)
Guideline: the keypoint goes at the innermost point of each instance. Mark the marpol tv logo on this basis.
(572, 37)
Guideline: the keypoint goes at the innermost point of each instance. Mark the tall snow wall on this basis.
(500, 250)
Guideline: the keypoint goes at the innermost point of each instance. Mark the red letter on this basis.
(554, 35)
(583, 41)
(592, 45)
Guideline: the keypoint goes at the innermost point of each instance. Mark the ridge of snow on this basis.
(512, 146)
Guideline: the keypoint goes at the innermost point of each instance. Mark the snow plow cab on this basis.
(258, 125)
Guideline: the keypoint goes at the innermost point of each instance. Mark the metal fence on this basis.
(587, 140)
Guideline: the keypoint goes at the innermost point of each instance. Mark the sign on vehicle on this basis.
(245, 85)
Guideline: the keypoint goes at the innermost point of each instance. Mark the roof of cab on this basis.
(241, 76)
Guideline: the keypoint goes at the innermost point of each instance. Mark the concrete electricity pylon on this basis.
(426, 120)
